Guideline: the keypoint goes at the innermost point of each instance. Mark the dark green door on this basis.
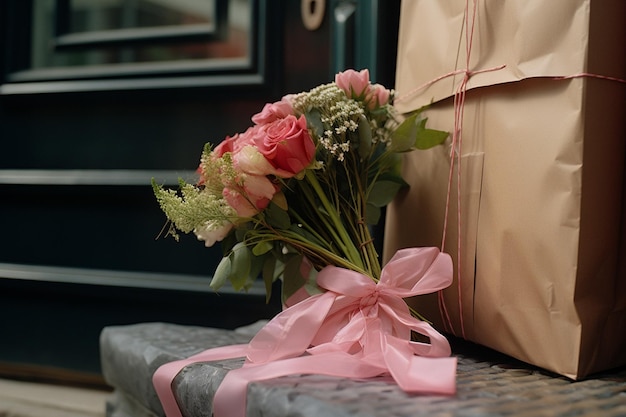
(94, 102)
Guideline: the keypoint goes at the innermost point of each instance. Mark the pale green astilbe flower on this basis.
(194, 208)
(217, 171)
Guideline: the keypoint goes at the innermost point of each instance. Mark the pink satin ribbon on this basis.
(356, 329)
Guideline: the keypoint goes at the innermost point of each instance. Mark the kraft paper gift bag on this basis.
(541, 262)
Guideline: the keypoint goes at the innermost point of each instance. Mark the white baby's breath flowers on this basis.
(338, 115)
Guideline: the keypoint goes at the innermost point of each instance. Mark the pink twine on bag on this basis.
(457, 140)
(589, 75)
(356, 329)
(455, 154)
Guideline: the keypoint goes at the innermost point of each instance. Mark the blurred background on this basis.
(99, 96)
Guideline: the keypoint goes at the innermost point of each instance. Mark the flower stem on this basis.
(336, 227)
(367, 247)
(314, 252)
(329, 227)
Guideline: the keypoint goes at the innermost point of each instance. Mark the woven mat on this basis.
(488, 384)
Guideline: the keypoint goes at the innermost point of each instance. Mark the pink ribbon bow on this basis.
(356, 329)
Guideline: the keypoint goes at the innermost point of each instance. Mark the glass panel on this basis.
(110, 34)
(93, 15)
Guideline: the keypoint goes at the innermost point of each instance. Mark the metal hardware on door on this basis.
(312, 12)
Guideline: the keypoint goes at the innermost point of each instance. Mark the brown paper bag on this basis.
(541, 188)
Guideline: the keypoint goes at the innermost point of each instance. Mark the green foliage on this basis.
(293, 271)
(372, 214)
(272, 269)
(221, 274)
(277, 217)
(413, 134)
(383, 192)
(262, 248)
(365, 138)
(241, 267)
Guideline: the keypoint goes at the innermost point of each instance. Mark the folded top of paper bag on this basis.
(510, 41)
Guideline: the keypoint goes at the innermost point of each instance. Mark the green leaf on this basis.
(393, 176)
(230, 241)
(413, 134)
(277, 217)
(372, 214)
(305, 234)
(428, 138)
(269, 275)
(383, 192)
(365, 137)
(403, 138)
(262, 248)
(241, 262)
(292, 276)
(256, 268)
(222, 274)
(314, 122)
(280, 200)
(239, 236)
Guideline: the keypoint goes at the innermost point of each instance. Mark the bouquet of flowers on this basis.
(293, 198)
(300, 189)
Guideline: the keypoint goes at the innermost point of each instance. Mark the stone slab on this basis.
(131, 354)
(488, 383)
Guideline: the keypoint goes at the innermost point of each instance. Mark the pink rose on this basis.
(250, 161)
(226, 145)
(273, 111)
(252, 190)
(235, 143)
(287, 145)
(229, 145)
(377, 96)
(255, 194)
(202, 179)
(355, 84)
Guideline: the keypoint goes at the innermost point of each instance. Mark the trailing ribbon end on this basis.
(162, 381)
(418, 374)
